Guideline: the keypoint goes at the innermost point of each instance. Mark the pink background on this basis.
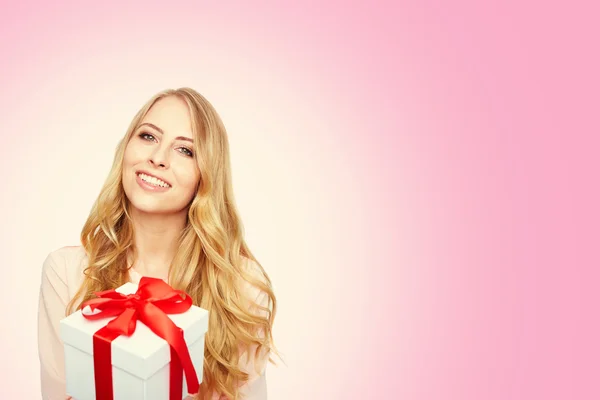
(420, 180)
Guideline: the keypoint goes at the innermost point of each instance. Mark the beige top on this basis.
(62, 274)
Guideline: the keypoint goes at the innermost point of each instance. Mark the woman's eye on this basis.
(186, 151)
(146, 136)
(149, 137)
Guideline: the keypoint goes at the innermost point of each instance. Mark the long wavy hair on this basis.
(212, 257)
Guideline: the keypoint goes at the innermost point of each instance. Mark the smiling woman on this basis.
(160, 174)
(167, 211)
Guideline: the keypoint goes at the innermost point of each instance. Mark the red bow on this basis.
(151, 303)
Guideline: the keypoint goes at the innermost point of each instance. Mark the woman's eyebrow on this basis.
(162, 132)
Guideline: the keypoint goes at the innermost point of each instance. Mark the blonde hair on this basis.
(212, 255)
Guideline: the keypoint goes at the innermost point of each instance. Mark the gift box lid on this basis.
(141, 354)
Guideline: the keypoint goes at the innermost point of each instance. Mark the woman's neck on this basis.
(156, 239)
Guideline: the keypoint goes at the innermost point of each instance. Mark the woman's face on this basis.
(160, 174)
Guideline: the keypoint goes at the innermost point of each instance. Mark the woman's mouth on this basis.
(151, 183)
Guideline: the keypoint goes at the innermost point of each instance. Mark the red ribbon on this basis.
(151, 303)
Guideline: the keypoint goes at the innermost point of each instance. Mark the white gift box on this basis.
(140, 362)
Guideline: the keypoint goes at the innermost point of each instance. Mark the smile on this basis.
(151, 182)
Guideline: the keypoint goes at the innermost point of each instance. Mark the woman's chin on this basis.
(148, 208)
(151, 208)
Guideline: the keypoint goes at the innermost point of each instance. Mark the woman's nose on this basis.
(158, 164)
(159, 159)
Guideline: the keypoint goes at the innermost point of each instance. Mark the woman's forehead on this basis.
(170, 116)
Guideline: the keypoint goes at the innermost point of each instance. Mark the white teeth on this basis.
(153, 181)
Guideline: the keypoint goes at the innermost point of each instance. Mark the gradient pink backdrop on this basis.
(419, 179)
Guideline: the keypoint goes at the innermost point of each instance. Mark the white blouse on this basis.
(62, 274)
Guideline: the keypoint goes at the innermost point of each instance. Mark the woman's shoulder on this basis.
(257, 274)
(67, 257)
(69, 252)
(66, 265)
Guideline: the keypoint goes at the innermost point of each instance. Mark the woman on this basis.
(167, 211)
